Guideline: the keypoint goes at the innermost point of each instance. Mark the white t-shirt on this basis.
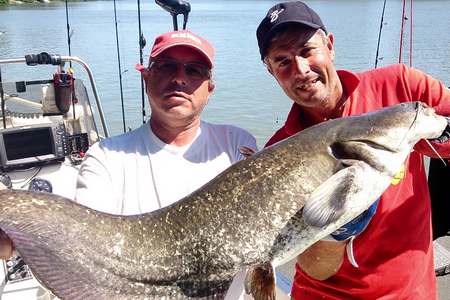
(136, 172)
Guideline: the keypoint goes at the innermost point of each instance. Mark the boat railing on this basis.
(59, 60)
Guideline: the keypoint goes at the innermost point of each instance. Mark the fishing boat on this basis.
(47, 125)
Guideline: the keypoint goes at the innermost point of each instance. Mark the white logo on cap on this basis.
(274, 15)
(186, 35)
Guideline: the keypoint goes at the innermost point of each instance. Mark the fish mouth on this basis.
(351, 151)
(341, 150)
(434, 125)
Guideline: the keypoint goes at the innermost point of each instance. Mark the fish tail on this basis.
(260, 282)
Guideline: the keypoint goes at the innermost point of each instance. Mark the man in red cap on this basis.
(173, 154)
(389, 247)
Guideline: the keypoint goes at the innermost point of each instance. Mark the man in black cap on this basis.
(389, 247)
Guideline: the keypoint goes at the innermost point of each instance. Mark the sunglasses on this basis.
(168, 67)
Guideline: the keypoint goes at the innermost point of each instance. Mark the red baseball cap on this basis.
(182, 38)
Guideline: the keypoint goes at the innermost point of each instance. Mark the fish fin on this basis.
(327, 202)
(260, 282)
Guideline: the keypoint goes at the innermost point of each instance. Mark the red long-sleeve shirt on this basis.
(395, 252)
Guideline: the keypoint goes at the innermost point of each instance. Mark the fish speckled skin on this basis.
(265, 209)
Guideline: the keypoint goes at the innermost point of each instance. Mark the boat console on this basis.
(45, 144)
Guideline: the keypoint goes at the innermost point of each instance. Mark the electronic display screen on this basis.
(30, 143)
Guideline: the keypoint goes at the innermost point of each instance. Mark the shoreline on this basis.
(18, 2)
(26, 2)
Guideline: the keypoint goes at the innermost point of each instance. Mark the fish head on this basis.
(407, 123)
(369, 151)
(384, 138)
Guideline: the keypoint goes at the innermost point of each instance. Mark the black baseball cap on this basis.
(282, 14)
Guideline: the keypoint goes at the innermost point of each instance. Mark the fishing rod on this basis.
(379, 34)
(402, 30)
(69, 36)
(68, 31)
(2, 99)
(175, 8)
(142, 43)
(120, 68)
(410, 32)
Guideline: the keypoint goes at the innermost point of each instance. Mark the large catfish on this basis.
(263, 210)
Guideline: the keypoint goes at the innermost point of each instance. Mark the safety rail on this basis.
(59, 60)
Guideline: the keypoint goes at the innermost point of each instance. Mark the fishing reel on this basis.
(175, 8)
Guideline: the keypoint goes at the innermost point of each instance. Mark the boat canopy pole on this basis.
(120, 68)
(175, 8)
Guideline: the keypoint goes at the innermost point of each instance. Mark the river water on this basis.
(245, 94)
